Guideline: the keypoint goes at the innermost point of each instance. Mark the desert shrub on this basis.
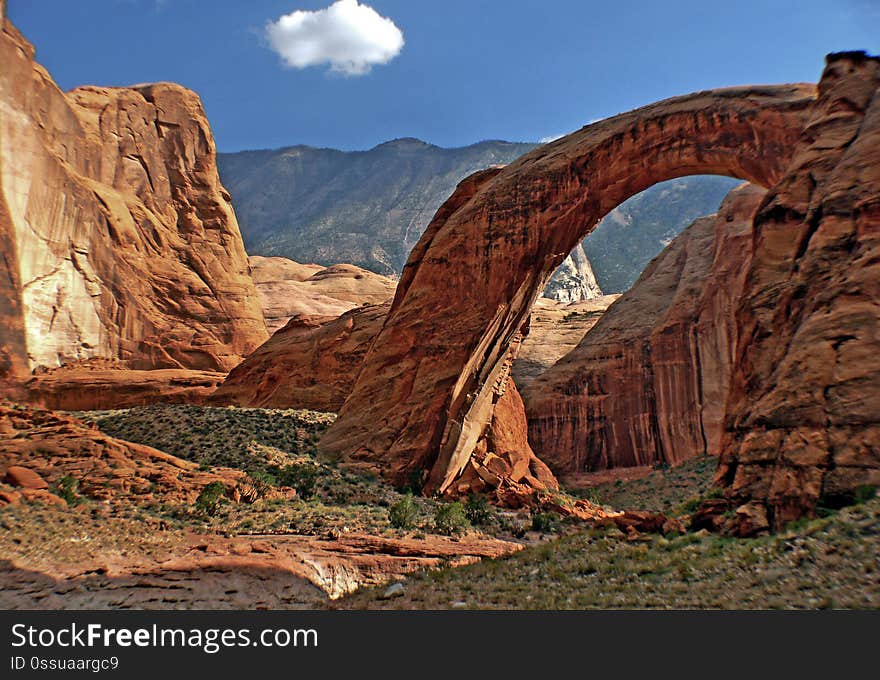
(864, 493)
(545, 522)
(210, 498)
(403, 513)
(450, 519)
(262, 482)
(68, 489)
(301, 476)
(478, 511)
(513, 526)
(691, 506)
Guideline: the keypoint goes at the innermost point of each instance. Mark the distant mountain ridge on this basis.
(369, 208)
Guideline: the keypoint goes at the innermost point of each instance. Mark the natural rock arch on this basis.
(428, 386)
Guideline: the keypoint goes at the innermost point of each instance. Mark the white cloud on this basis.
(349, 36)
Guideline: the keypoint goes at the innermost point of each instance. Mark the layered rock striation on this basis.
(802, 414)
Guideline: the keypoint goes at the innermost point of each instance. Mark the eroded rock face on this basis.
(802, 416)
(428, 386)
(288, 289)
(554, 330)
(647, 383)
(51, 446)
(126, 243)
(311, 363)
(93, 384)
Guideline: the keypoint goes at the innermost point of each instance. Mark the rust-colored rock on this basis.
(102, 384)
(49, 445)
(426, 392)
(310, 363)
(647, 383)
(124, 242)
(24, 478)
(288, 289)
(802, 415)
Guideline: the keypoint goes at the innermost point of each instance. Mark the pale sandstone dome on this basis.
(287, 289)
(125, 243)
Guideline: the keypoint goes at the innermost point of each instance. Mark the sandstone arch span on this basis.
(429, 385)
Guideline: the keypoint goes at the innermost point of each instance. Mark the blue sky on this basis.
(468, 70)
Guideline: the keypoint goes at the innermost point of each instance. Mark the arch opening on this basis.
(431, 382)
(648, 382)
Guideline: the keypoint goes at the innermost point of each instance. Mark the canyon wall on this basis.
(126, 243)
(802, 416)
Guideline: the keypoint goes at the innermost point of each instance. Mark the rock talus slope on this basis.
(126, 242)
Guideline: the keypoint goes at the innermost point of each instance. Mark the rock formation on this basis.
(287, 289)
(102, 384)
(554, 330)
(314, 360)
(574, 281)
(647, 383)
(802, 415)
(39, 449)
(311, 363)
(116, 231)
(429, 384)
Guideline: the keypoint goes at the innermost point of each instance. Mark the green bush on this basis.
(301, 476)
(691, 506)
(864, 493)
(68, 489)
(545, 522)
(403, 513)
(450, 519)
(262, 482)
(210, 498)
(478, 511)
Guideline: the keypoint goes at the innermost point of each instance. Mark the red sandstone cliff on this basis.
(426, 393)
(310, 363)
(125, 243)
(802, 416)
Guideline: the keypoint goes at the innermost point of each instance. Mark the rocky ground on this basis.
(121, 517)
(832, 562)
(186, 506)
